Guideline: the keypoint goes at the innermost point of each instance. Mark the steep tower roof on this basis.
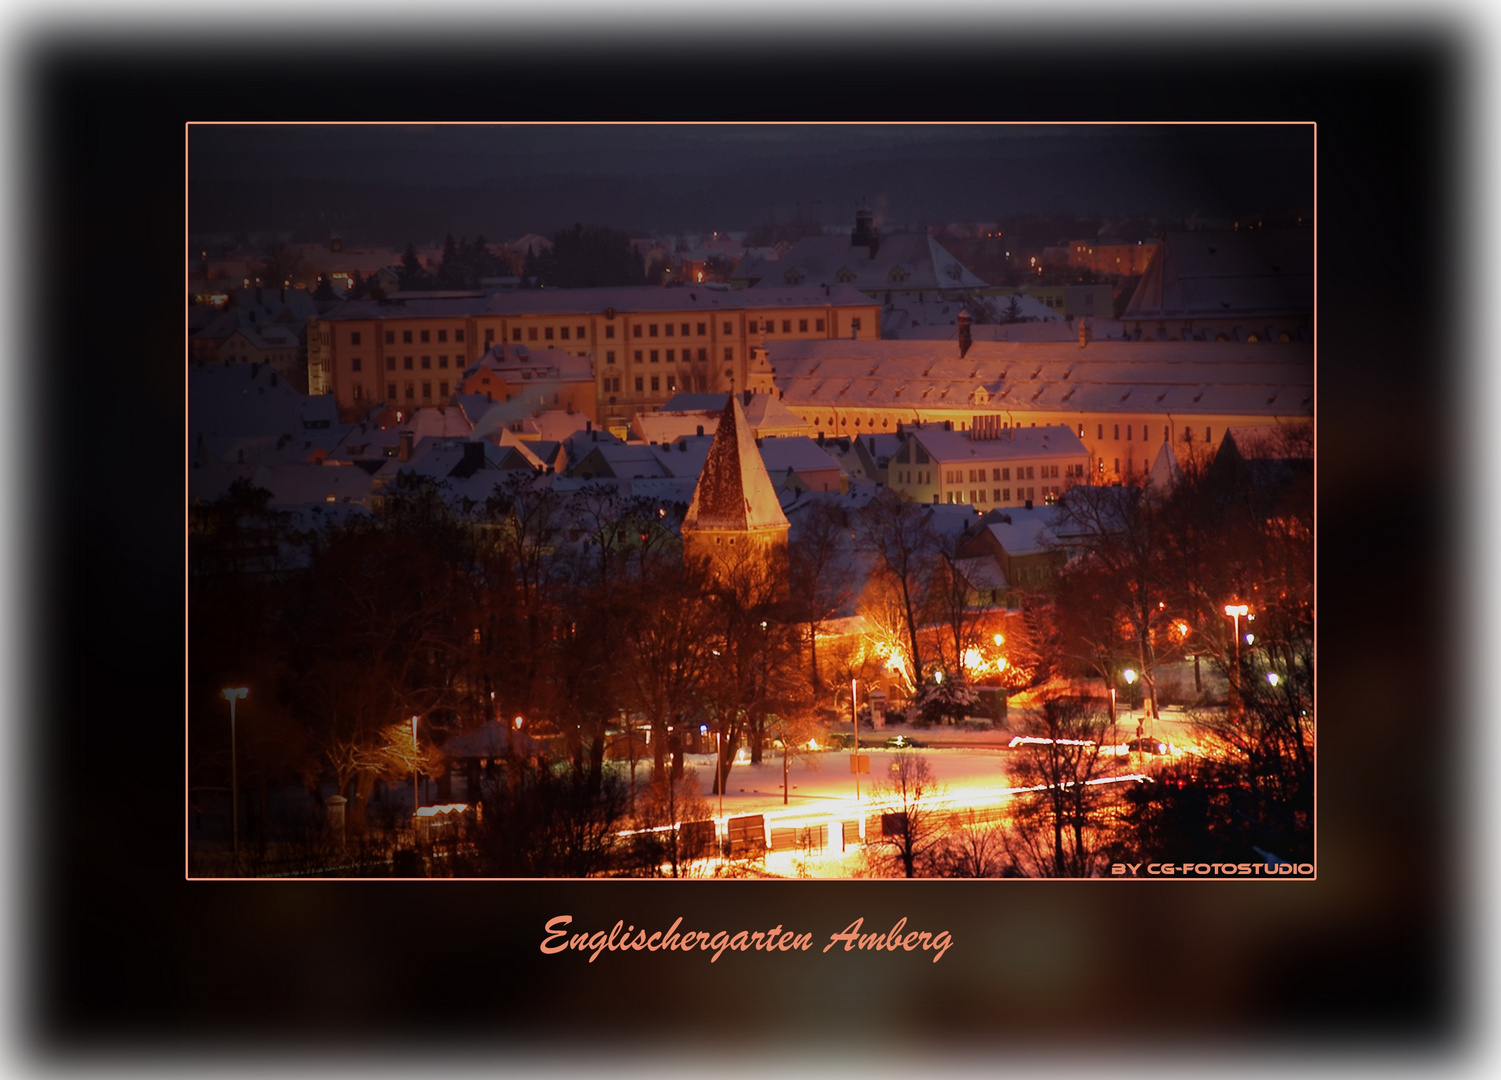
(733, 490)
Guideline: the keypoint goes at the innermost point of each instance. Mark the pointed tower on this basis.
(735, 521)
(1165, 473)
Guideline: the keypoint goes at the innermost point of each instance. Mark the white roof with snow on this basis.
(1180, 377)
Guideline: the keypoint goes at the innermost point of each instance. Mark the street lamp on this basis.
(1235, 611)
(416, 802)
(1273, 678)
(232, 695)
(1129, 674)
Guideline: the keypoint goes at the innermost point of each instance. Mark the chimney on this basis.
(745, 398)
(588, 425)
(404, 446)
(1085, 333)
(964, 339)
(948, 425)
(474, 457)
(864, 234)
(700, 429)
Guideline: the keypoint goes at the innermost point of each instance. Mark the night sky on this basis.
(388, 184)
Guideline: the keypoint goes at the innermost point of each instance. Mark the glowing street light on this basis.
(231, 695)
(1235, 611)
(1273, 678)
(1129, 674)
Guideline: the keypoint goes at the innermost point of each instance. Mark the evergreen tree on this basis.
(411, 275)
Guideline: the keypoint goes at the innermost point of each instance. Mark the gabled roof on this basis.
(623, 460)
(1224, 274)
(900, 261)
(685, 456)
(798, 453)
(439, 422)
(733, 489)
(1028, 532)
(1165, 473)
(302, 485)
(1179, 377)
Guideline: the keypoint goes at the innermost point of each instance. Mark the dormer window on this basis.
(844, 274)
(979, 396)
(898, 274)
(792, 277)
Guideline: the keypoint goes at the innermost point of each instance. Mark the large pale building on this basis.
(646, 344)
(1122, 399)
(988, 465)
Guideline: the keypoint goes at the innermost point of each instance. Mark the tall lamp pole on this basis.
(855, 726)
(1130, 676)
(1235, 611)
(416, 802)
(231, 695)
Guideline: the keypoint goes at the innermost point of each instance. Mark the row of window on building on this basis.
(356, 363)
(1167, 433)
(1023, 472)
(411, 391)
(425, 337)
(977, 496)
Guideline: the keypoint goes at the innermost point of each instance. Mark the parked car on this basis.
(1148, 746)
(901, 742)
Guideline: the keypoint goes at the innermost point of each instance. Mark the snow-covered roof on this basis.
(900, 261)
(1181, 377)
(519, 362)
(1165, 473)
(438, 422)
(798, 453)
(935, 316)
(982, 572)
(301, 485)
(623, 298)
(956, 447)
(233, 400)
(624, 460)
(1028, 532)
(1223, 274)
(733, 489)
(685, 456)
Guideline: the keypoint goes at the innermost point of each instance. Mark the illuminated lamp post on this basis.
(231, 695)
(1114, 738)
(1130, 676)
(1235, 611)
(855, 726)
(416, 802)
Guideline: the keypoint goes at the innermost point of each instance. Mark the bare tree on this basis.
(975, 847)
(1053, 830)
(901, 533)
(820, 578)
(670, 800)
(912, 825)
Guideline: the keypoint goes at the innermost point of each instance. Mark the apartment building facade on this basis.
(987, 466)
(646, 344)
